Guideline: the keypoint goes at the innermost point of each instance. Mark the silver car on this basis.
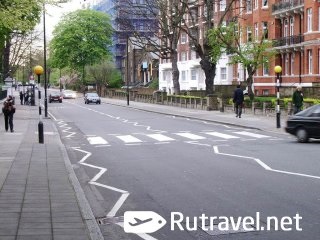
(92, 98)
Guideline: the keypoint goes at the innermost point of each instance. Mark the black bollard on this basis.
(40, 131)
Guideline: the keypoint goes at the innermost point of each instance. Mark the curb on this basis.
(86, 211)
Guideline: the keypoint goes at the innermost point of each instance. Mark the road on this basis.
(132, 160)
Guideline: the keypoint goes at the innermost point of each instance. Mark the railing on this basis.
(291, 40)
(286, 5)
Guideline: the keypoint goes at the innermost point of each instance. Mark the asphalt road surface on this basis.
(132, 160)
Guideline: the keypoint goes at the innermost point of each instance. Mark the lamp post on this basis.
(38, 70)
(127, 71)
(278, 71)
(45, 61)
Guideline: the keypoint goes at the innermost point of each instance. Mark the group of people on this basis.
(238, 99)
(25, 98)
(8, 111)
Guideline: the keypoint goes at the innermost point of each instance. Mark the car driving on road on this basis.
(305, 124)
(69, 94)
(92, 98)
(55, 97)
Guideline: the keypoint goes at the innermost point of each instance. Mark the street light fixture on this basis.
(38, 70)
(278, 71)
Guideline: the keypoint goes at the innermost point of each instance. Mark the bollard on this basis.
(40, 131)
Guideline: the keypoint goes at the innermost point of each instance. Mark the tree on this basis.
(252, 54)
(82, 38)
(104, 75)
(19, 17)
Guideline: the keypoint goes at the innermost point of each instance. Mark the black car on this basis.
(92, 98)
(305, 124)
(55, 97)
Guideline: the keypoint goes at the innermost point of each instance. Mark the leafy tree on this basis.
(19, 17)
(82, 38)
(104, 75)
(252, 54)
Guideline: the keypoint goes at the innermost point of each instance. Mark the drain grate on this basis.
(109, 220)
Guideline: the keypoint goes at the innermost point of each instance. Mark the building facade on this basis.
(292, 25)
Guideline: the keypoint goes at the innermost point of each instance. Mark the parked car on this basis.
(92, 98)
(69, 94)
(305, 124)
(55, 97)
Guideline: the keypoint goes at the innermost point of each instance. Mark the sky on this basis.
(54, 15)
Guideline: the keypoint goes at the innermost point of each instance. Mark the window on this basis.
(193, 74)
(309, 20)
(292, 64)
(265, 30)
(286, 68)
(193, 55)
(310, 61)
(265, 92)
(183, 38)
(256, 31)
(255, 4)
(223, 5)
(285, 28)
(265, 68)
(183, 76)
(291, 19)
(223, 73)
(264, 3)
(249, 34)
(183, 56)
(249, 7)
(319, 19)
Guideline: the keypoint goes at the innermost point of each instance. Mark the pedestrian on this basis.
(238, 98)
(8, 110)
(297, 100)
(26, 98)
(21, 97)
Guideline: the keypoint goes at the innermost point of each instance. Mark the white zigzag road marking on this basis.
(93, 181)
(265, 166)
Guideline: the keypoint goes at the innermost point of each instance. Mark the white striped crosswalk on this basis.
(171, 137)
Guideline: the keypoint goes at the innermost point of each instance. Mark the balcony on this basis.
(287, 7)
(288, 42)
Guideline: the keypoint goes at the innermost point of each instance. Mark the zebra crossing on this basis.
(139, 138)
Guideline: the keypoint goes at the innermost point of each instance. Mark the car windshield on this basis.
(92, 95)
(310, 112)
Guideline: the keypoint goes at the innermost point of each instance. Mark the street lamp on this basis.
(45, 61)
(38, 70)
(127, 70)
(278, 71)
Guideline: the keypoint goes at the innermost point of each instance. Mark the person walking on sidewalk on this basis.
(21, 97)
(297, 100)
(8, 110)
(238, 99)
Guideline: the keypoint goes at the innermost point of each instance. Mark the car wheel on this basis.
(302, 135)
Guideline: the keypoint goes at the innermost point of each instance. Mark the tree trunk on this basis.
(175, 73)
(249, 84)
(210, 73)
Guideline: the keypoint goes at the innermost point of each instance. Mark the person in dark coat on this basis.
(8, 110)
(297, 100)
(238, 98)
(21, 97)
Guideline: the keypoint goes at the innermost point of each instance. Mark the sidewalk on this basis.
(40, 197)
(248, 120)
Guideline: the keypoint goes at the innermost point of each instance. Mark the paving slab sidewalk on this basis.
(40, 197)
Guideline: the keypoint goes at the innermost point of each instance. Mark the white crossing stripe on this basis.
(190, 136)
(129, 139)
(96, 140)
(221, 135)
(250, 134)
(160, 137)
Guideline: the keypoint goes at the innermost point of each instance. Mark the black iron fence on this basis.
(291, 40)
(286, 5)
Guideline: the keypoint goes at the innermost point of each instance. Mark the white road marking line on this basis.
(129, 139)
(265, 166)
(162, 143)
(93, 181)
(221, 135)
(102, 146)
(250, 134)
(197, 143)
(190, 136)
(160, 137)
(133, 144)
(97, 140)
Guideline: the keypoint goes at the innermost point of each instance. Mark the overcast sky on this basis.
(54, 15)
